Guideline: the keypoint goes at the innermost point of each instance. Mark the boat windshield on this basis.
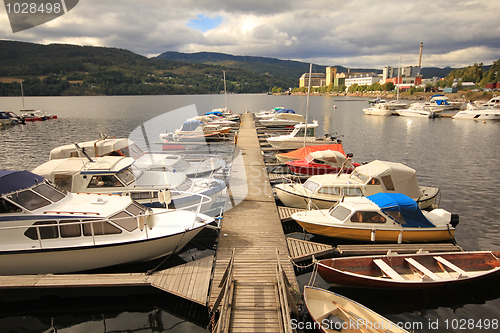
(127, 175)
(133, 151)
(181, 165)
(310, 132)
(360, 176)
(340, 213)
(311, 186)
(29, 200)
(48, 192)
(185, 186)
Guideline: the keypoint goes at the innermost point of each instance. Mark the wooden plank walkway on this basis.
(301, 250)
(285, 213)
(190, 281)
(253, 229)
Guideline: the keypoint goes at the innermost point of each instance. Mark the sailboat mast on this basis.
(399, 75)
(307, 103)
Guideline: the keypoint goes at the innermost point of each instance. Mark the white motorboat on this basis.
(418, 110)
(283, 119)
(47, 230)
(196, 130)
(323, 191)
(378, 109)
(143, 160)
(440, 102)
(117, 174)
(296, 139)
(269, 113)
(381, 217)
(493, 102)
(478, 113)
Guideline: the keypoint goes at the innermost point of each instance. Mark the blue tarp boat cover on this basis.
(398, 202)
(217, 113)
(285, 111)
(190, 125)
(11, 180)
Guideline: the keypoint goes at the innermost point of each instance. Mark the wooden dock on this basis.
(190, 281)
(302, 250)
(252, 255)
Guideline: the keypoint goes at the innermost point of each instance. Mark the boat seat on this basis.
(388, 270)
(422, 268)
(461, 272)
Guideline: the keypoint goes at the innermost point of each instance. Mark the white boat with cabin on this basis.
(478, 113)
(282, 120)
(117, 174)
(143, 160)
(296, 139)
(418, 109)
(47, 230)
(323, 191)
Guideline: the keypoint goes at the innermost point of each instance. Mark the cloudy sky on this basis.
(353, 34)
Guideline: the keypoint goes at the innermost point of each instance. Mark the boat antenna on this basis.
(22, 94)
(307, 103)
(82, 150)
(225, 90)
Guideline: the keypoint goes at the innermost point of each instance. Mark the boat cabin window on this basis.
(70, 228)
(311, 186)
(144, 195)
(352, 192)
(100, 228)
(310, 132)
(29, 200)
(104, 181)
(329, 190)
(63, 181)
(8, 207)
(126, 176)
(368, 217)
(340, 213)
(315, 160)
(389, 185)
(46, 232)
(396, 215)
(373, 181)
(135, 209)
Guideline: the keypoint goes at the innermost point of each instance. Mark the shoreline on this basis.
(416, 96)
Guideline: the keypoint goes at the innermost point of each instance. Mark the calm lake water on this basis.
(461, 157)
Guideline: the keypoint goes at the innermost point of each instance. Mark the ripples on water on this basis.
(461, 157)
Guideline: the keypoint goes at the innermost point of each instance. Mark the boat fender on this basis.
(140, 221)
(149, 219)
(454, 220)
(400, 237)
(372, 236)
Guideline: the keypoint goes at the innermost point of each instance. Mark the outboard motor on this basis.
(454, 220)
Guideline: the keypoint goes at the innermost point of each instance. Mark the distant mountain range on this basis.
(63, 69)
(277, 67)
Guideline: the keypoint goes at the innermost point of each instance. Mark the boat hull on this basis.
(330, 310)
(362, 272)
(409, 235)
(66, 260)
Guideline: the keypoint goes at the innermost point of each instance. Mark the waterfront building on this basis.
(362, 79)
(317, 80)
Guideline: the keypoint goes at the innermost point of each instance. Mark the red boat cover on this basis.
(303, 152)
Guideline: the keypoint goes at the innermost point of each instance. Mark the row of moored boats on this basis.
(105, 202)
(376, 202)
(436, 107)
